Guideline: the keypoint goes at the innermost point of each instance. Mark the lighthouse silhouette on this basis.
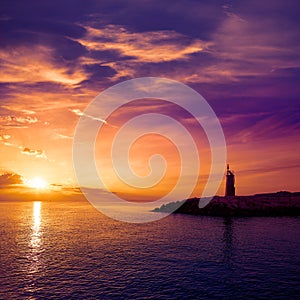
(230, 188)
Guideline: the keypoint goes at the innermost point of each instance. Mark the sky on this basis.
(242, 56)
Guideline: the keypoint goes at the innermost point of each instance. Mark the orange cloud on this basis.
(36, 153)
(4, 137)
(78, 112)
(152, 46)
(36, 64)
(8, 179)
(25, 150)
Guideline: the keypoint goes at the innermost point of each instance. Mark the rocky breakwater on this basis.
(271, 204)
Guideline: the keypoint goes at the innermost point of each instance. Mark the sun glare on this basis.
(37, 183)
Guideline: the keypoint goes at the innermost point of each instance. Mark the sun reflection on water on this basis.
(36, 232)
(35, 266)
(35, 243)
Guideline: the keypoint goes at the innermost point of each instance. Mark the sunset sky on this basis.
(242, 56)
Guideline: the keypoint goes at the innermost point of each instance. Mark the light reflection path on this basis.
(35, 244)
(36, 232)
(35, 247)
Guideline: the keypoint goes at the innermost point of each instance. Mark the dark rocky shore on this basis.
(272, 204)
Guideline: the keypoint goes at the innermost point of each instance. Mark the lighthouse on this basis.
(230, 188)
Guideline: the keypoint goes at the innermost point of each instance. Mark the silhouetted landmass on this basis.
(271, 204)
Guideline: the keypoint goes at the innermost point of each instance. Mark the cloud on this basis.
(151, 46)
(8, 179)
(4, 137)
(243, 58)
(14, 121)
(241, 47)
(24, 150)
(35, 153)
(20, 65)
(22, 120)
(63, 136)
(78, 112)
(18, 109)
(242, 39)
(265, 128)
(248, 45)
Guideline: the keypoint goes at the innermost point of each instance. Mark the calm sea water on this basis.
(58, 250)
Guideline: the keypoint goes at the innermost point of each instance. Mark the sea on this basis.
(69, 250)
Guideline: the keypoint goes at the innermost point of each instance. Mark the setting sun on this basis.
(37, 183)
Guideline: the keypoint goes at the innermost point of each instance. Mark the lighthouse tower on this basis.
(230, 188)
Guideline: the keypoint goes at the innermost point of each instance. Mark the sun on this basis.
(37, 183)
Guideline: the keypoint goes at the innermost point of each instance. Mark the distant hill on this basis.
(271, 204)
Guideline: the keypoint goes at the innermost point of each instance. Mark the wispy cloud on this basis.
(268, 128)
(78, 112)
(63, 136)
(5, 140)
(151, 46)
(20, 65)
(18, 109)
(250, 46)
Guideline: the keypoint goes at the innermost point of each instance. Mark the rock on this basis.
(272, 204)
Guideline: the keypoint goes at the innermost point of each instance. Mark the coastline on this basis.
(259, 205)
